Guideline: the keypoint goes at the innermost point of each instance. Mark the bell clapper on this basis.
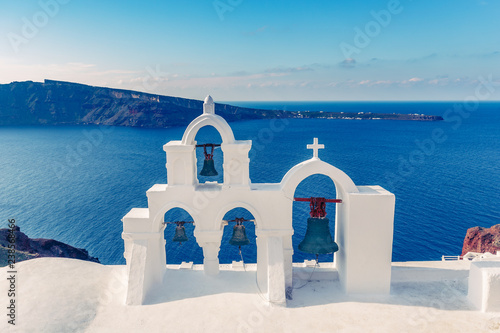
(242, 261)
(309, 278)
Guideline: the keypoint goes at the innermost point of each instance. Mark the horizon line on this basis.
(273, 101)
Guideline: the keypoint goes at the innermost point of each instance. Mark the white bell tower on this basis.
(363, 221)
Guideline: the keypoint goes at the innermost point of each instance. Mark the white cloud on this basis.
(73, 71)
(290, 69)
(348, 63)
(281, 83)
(413, 80)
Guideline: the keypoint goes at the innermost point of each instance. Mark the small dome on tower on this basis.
(209, 105)
(209, 100)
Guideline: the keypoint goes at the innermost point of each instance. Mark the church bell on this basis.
(208, 164)
(180, 233)
(239, 235)
(208, 169)
(318, 239)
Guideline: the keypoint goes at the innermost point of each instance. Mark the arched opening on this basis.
(229, 253)
(316, 185)
(209, 135)
(177, 252)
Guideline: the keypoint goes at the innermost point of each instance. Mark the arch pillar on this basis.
(271, 275)
(210, 242)
(145, 264)
(288, 259)
(236, 163)
(181, 163)
(365, 241)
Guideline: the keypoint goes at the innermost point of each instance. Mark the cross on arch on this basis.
(315, 147)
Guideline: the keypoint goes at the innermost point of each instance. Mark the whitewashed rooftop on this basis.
(65, 295)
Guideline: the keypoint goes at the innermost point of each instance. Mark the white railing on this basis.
(473, 256)
(449, 258)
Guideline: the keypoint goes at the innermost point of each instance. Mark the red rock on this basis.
(482, 240)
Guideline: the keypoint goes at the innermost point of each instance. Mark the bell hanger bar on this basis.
(179, 222)
(318, 205)
(239, 220)
(325, 200)
(208, 145)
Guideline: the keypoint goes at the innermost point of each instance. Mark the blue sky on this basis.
(258, 50)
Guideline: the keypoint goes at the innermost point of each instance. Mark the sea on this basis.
(75, 183)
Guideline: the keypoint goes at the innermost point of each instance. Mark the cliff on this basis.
(482, 240)
(28, 248)
(66, 103)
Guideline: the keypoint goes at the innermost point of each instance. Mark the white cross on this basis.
(315, 147)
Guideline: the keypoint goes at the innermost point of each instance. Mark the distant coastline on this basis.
(66, 103)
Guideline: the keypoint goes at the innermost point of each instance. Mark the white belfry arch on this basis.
(364, 219)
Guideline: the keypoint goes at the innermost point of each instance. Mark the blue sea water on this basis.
(74, 184)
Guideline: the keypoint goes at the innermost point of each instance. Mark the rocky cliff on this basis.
(66, 103)
(28, 248)
(482, 240)
(60, 103)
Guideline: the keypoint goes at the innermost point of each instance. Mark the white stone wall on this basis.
(484, 285)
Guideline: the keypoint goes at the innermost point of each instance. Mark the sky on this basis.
(242, 50)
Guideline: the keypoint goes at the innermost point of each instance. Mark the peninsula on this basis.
(30, 248)
(66, 103)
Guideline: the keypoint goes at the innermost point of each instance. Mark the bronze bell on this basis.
(180, 233)
(208, 169)
(208, 164)
(239, 235)
(318, 239)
